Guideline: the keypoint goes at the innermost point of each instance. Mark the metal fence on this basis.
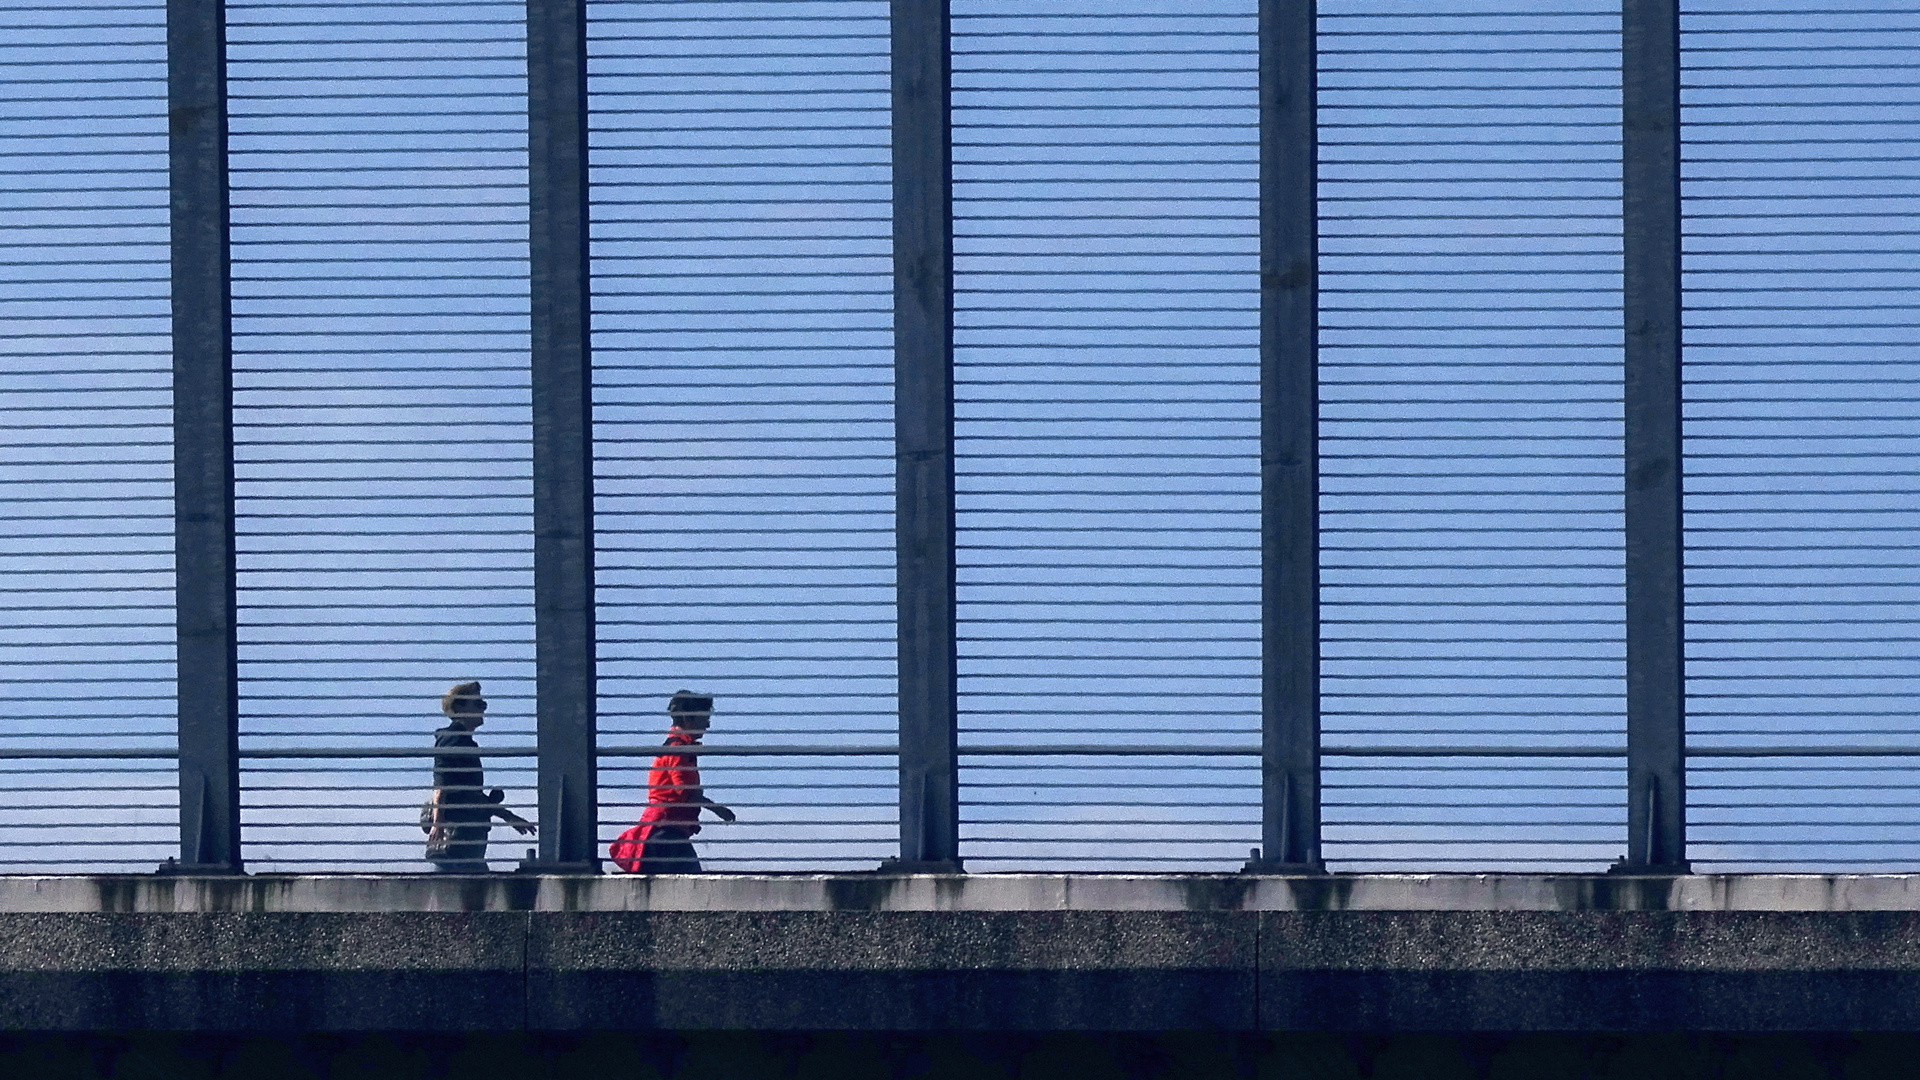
(1799, 148)
(86, 656)
(1107, 431)
(1471, 420)
(743, 424)
(381, 412)
(1086, 435)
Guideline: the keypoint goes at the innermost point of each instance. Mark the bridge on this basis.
(1054, 953)
(1261, 518)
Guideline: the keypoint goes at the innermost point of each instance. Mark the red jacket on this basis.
(673, 797)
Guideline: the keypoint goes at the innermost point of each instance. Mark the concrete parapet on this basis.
(960, 892)
(860, 953)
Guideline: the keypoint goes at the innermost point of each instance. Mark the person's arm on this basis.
(520, 825)
(495, 809)
(723, 813)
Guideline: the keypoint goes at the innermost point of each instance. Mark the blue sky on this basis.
(1107, 403)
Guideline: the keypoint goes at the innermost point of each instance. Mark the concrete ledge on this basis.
(1140, 954)
(136, 893)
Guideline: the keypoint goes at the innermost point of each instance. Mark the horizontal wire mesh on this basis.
(1471, 423)
(1801, 129)
(1107, 395)
(743, 415)
(86, 458)
(1106, 257)
(382, 413)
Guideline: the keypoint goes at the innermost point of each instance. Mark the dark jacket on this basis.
(465, 811)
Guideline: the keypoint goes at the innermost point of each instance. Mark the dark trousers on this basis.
(461, 866)
(669, 857)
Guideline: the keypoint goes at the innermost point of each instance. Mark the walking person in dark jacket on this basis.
(460, 813)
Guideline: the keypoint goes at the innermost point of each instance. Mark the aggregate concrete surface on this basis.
(960, 952)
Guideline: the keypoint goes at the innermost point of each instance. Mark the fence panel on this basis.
(1108, 419)
(381, 412)
(743, 415)
(86, 484)
(1801, 130)
(1473, 639)
(1106, 249)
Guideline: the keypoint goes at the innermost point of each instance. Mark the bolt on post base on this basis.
(553, 866)
(1257, 865)
(920, 866)
(176, 868)
(1623, 867)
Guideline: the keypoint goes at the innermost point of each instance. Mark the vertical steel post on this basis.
(1289, 451)
(923, 435)
(205, 602)
(562, 436)
(1656, 744)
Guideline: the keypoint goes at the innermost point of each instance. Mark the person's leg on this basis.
(669, 857)
(460, 841)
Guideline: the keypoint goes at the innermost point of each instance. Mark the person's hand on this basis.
(724, 813)
(524, 828)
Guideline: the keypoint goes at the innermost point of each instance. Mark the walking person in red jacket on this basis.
(663, 841)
